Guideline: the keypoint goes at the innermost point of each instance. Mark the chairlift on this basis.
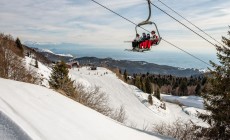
(146, 44)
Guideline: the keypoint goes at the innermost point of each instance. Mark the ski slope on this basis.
(46, 115)
(139, 112)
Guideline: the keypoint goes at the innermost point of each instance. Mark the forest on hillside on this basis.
(167, 84)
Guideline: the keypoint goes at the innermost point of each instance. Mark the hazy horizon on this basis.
(156, 55)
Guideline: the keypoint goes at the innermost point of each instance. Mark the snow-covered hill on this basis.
(139, 112)
(44, 114)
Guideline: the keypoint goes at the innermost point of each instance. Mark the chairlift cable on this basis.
(117, 14)
(183, 24)
(186, 52)
(149, 32)
(190, 22)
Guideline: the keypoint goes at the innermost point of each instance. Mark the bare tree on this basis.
(179, 129)
(97, 100)
(93, 98)
(12, 66)
(119, 114)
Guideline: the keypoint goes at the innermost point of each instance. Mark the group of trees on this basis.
(179, 86)
(12, 64)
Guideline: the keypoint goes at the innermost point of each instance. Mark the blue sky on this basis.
(83, 22)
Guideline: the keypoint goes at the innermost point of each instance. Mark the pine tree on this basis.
(217, 95)
(19, 45)
(125, 76)
(137, 82)
(198, 90)
(36, 63)
(142, 87)
(120, 71)
(148, 86)
(183, 90)
(60, 80)
(157, 94)
(150, 99)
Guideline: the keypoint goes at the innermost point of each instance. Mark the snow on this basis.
(191, 101)
(45, 50)
(49, 51)
(44, 114)
(192, 111)
(43, 72)
(139, 112)
(11, 131)
(67, 55)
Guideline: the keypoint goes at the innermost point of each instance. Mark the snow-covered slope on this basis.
(140, 114)
(43, 72)
(45, 114)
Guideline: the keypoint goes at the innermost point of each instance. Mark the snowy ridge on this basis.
(49, 51)
(39, 43)
(45, 114)
(45, 50)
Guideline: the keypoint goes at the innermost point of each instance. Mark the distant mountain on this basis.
(54, 57)
(138, 66)
(130, 66)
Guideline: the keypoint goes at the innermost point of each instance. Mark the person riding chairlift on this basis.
(136, 41)
(147, 42)
(154, 39)
(143, 41)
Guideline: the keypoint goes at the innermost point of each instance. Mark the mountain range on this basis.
(130, 66)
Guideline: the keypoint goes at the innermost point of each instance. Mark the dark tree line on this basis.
(168, 84)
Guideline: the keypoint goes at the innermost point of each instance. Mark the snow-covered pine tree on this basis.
(217, 95)
(60, 80)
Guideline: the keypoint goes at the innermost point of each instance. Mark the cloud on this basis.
(84, 22)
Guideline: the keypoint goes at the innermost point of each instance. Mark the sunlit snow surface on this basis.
(44, 114)
(11, 131)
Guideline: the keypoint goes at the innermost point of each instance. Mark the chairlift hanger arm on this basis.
(147, 20)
